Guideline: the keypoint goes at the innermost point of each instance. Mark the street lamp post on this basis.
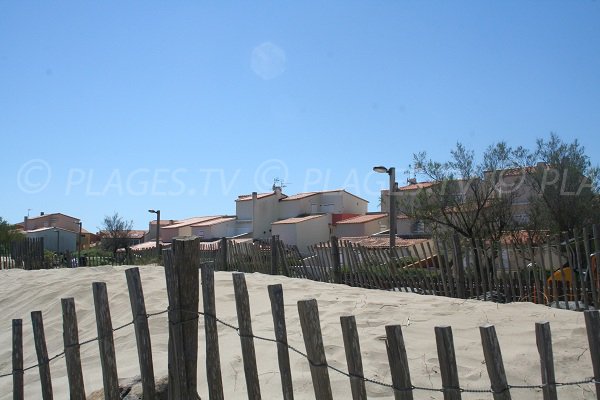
(157, 212)
(392, 204)
(79, 244)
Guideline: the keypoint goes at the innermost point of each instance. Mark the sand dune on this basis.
(24, 291)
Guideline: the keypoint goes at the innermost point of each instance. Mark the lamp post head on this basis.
(381, 169)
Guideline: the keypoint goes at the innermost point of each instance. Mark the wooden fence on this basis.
(184, 286)
(25, 253)
(561, 272)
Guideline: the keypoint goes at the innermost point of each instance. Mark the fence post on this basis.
(592, 326)
(278, 311)
(353, 357)
(447, 357)
(242, 305)
(177, 375)
(274, 266)
(213, 361)
(224, 250)
(17, 358)
(335, 255)
(458, 264)
(142, 333)
(106, 342)
(72, 355)
(183, 285)
(311, 331)
(543, 339)
(398, 361)
(493, 362)
(42, 354)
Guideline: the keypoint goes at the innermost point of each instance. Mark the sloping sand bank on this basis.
(24, 291)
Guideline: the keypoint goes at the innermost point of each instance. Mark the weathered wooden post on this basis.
(592, 326)
(142, 332)
(41, 350)
(213, 361)
(72, 355)
(544, 345)
(274, 265)
(313, 340)
(398, 361)
(493, 362)
(224, 250)
(335, 255)
(447, 357)
(458, 264)
(353, 357)
(17, 358)
(106, 342)
(278, 311)
(182, 274)
(242, 305)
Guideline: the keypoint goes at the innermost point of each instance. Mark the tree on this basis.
(115, 232)
(473, 199)
(8, 233)
(564, 185)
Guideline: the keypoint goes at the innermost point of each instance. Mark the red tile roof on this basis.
(361, 219)
(298, 196)
(245, 197)
(296, 220)
(191, 221)
(215, 221)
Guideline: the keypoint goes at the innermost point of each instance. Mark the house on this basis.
(256, 212)
(331, 202)
(302, 231)
(182, 227)
(362, 225)
(67, 226)
(58, 220)
(215, 228)
(56, 239)
(151, 234)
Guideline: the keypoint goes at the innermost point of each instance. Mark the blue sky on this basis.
(182, 106)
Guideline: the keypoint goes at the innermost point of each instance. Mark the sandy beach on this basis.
(24, 291)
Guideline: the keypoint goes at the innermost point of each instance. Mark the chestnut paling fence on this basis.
(560, 271)
(187, 277)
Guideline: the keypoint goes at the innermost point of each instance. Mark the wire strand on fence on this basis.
(197, 315)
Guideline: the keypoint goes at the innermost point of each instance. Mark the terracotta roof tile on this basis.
(191, 221)
(361, 219)
(215, 221)
(296, 220)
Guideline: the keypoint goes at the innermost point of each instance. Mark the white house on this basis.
(303, 231)
(58, 240)
(215, 228)
(257, 212)
(362, 225)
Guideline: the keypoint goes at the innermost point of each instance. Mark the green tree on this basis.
(8, 233)
(469, 197)
(115, 232)
(564, 184)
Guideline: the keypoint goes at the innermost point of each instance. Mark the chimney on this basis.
(41, 214)
(25, 220)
